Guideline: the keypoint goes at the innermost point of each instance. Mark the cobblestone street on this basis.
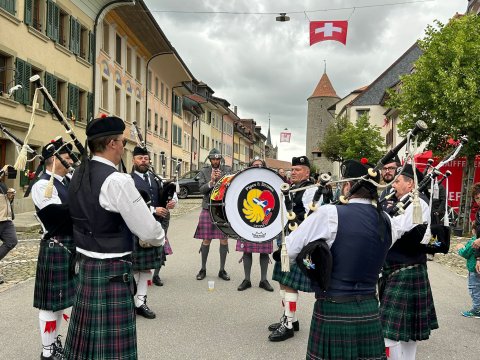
(20, 264)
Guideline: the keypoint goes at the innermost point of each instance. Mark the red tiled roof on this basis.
(324, 88)
(278, 164)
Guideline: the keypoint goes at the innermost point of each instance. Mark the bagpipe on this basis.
(167, 188)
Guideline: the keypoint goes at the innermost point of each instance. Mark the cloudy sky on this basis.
(267, 67)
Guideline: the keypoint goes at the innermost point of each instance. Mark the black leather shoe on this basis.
(265, 285)
(222, 274)
(244, 285)
(275, 326)
(201, 274)
(157, 281)
(51, 357)
(281, 334)
(145, 311)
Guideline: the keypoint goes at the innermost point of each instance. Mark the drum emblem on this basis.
(258, 204)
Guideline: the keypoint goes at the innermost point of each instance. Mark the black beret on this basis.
(394, 159)
(355, 169)
(57, 145)
(301, 160)
(137, 150)
(407, 171)
(214, 154)
(104, 126)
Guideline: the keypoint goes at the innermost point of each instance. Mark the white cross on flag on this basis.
(328, 30)
(285, 136)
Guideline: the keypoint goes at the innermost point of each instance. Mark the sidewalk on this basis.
(224, 324)
(26, 222)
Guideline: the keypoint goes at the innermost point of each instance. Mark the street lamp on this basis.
(283, 17)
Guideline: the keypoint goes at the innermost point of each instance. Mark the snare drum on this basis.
(246, 205)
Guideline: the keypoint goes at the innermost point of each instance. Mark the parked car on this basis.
(188, 184)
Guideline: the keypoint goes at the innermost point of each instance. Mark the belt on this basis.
(347, 298)
(127, 258)
(123, 278)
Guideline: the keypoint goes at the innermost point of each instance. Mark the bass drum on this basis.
(247, 205)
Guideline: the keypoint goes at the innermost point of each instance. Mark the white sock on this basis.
(409, 349)
(290, 307)
(393, 349)
(48, 330)
(142, 286)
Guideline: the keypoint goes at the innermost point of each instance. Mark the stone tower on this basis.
(270, 151)
(318, 119)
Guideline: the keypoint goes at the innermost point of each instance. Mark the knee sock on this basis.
(142, 286)
(204, 249)
(49, 327)
(247, 265)
(264, 258)
(290, 308)
(393, 349)
(223, 256)
(409, 349)
(282, 296)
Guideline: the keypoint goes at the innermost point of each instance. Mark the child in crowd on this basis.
(468, 252)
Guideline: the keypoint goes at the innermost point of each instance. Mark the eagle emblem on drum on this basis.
(258, 206)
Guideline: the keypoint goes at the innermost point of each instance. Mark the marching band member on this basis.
(106, 208)
(388, 172)
(54, 280)
(293, 281)
(206, 230)
(345, 322)
(145, 256)
(247, 247)
(406, 303)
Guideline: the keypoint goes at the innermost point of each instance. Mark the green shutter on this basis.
(74, 36)
(50, 19)
(90, 101)
(19, 71)
(73, 101)
(28, 12)
(56, 23)
(91, 47)
(48, 86)
(26, 84)
(8, 5)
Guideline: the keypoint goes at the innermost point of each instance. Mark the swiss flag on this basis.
(328, 30)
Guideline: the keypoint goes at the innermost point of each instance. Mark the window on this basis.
(8, 5)
(53, 20)
(137, 113)
(361, 112)
(166, 128)
(118, 101)
(149, 80)
(149, 119)
(8, 77)
(84, 43)
(75, 34)
(177, 135)
(35, 14)
(166, 95)
(235, 148)
(161, 125)
(118, 49)
(106, 37)
(209, 117)
(73, 101)
(104, 102)
(90, 106)
(82, 106)
(156, 86)
(39, 72)
(177, 104)
(155, 124)
(128, 108)
(138, 72)
(129, 59)
(62, 93)
(63, 28)
(162, 88)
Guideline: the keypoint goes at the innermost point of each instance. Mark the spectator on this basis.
(8, 236)
(468, 253)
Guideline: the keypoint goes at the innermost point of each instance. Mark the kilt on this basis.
(206, 229)
(294, 279)
(146, 258)
(346, 331)
(54, 278)
(406, 306)
(257, 248)
(102, 324)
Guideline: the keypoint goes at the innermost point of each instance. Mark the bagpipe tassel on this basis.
(21, 159)
(417, 209)
(284, 259)
(49, 187)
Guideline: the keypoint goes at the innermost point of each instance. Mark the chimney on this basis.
(235, 109)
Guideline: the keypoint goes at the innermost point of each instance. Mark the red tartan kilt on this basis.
(257, 248)
(206, 229)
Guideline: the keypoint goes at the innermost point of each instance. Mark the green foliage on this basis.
(344, 140)
(443, 90)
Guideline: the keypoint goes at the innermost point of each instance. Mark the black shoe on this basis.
(157, 281)
(145, 311)
(223, 275)
(51, 357)
(2, 280)
(281, 334)
(264, 284)
(244, 285)
(275, 326)
(201, 274)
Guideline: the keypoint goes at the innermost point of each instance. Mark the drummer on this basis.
(206, 230)
(247, 247)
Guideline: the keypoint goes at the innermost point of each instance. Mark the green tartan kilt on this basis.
(406, 305)
(294, 279)
(102, 324)
(147, 258)
(346, 331)
(54, 278)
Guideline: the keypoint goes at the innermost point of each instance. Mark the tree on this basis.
(344, 140)
(443, 90)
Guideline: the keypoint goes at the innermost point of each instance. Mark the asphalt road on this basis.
(195, 323)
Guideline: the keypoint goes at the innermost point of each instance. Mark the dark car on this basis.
(188, 184)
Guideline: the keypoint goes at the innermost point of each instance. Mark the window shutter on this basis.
(56, 22)
(50, 6)
(91, 54)
(8, 5)
(19, 71)
(74, 36)
(78, 34)
(48, 86)
(90, 101)
(28, 12)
